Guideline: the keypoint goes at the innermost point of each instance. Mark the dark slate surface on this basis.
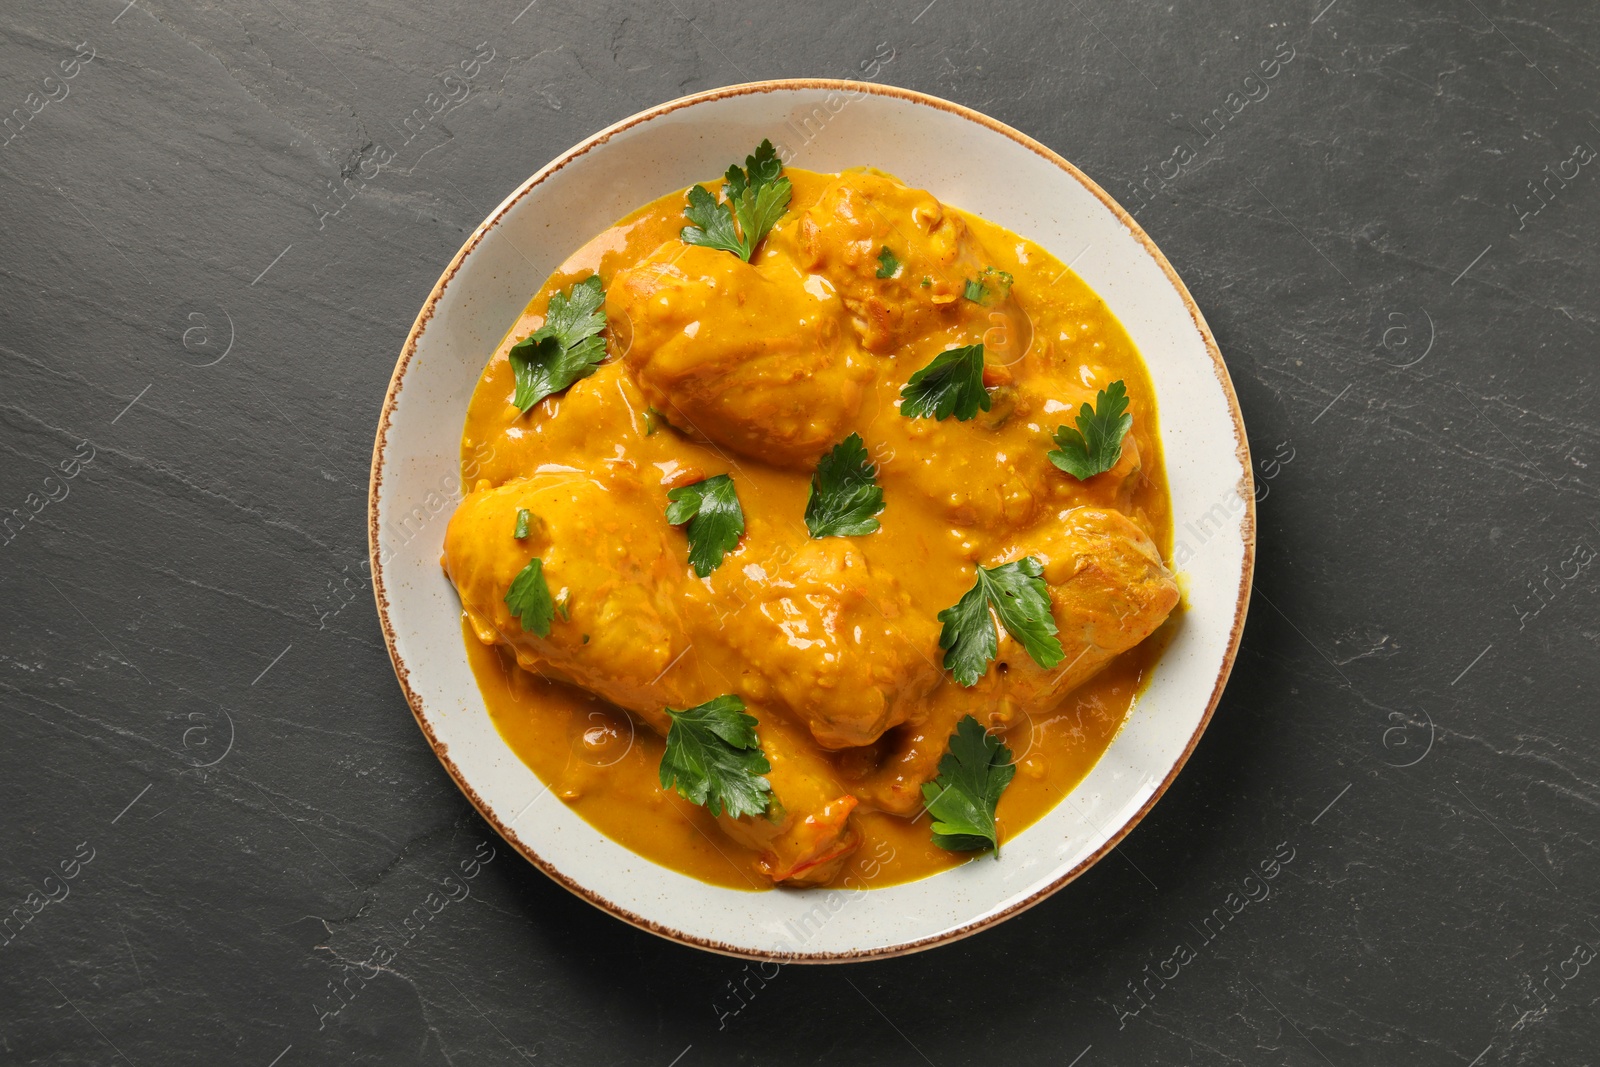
(196, 697)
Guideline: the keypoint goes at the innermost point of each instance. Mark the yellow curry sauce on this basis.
(832, 642)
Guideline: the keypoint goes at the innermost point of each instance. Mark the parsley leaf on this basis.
(844, 496)
(759, 195)
(714, 758)
(524, 516)
(968, 638)
(1000, 280)
(758, 211)
(566, 348)
(716, 521)
(529, 598)
(575, 315)
(951, 385)
(713, 224)
(1096, 445)
(962, 800)
(888, 266)
(1000, 283)
(1020, 597)
(756, 197)
(762, 167)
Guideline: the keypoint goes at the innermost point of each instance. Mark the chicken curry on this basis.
(815, 529)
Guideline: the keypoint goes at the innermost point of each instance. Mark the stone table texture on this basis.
(1393, 238)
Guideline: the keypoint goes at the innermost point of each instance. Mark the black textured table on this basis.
(225, 841)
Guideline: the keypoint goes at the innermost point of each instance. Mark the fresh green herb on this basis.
(1000, 281)
(756, 197)
(968, 637)
(1020, 597)
(927, 282)
(712, 224)
(566, 348)
(561, 605)
(951, 385)
(529, 598)
(962, 800)
(888, 266)
(990, 281)
(759, 194)
(762, 167)
(652, 421)
(714, 758)
(844, 497)
(524, 516)
(1096, 445)
(716, 521)
(1022, 601)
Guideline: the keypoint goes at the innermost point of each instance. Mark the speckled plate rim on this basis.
(391, 399)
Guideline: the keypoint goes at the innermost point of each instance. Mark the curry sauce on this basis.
(717, 366)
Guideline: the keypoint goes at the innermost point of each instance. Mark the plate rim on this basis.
(408, 352)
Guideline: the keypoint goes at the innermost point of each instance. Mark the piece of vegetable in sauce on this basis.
(524, 516)
(950, 385)
(962, 800)
(1019, 596)
(1096, 445)
(566, 348)
(713, 758)
(845, 499)
(653, 421)
(715, 520)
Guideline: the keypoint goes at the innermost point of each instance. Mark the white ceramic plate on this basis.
(970, 161)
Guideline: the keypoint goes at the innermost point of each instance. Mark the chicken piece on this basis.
(835, 643)
(606, 558)
(808, 834)
(750, 357)
(559, 433)
(1109, 591)
(863, 212)
(993, 472)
